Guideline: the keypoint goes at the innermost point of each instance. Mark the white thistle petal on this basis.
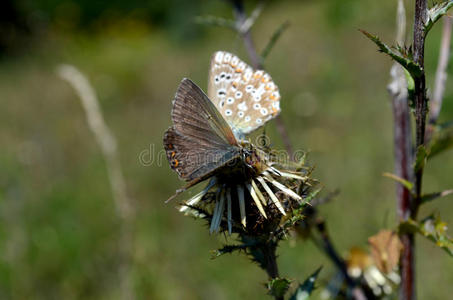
(195, 199)
(214, 217)
(240, 190)
(258, 192)
(275, 171)
(256, 199)
(228, 196)
(222, 209)
(272, 195)
(288, 175)
(283, 188)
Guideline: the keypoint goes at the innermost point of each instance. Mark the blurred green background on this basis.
(58, 227)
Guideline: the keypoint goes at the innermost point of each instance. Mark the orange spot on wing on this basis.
(176, 163)
(173, 154)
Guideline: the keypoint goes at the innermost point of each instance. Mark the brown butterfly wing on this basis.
(195, 115)
(200, 140)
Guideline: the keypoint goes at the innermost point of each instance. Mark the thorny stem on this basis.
(255, 60)
(420, 93)
(271, 263)
(269, 251)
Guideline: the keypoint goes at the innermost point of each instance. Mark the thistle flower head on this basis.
(253, 195)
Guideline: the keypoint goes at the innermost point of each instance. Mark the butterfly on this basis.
(206, 128)
(207, 136)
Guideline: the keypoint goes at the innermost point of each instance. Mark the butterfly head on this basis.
(254, 163)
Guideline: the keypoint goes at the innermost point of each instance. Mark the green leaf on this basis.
(297, 214)
(442, 139)
(402, 58)
(433, 196)
(410, 89)
(420, 158)
(435, 13)
(312, 195)
(406, 183)
(433, 229)
(215, 21)
(278, 287)
(273, 40)
(304, 290)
